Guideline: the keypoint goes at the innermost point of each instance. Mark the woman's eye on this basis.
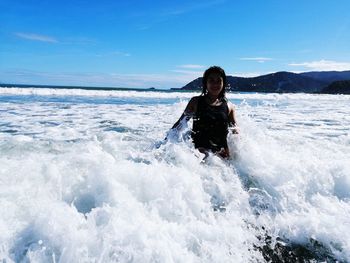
(214, 80)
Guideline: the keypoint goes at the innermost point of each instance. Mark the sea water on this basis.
(86, 176)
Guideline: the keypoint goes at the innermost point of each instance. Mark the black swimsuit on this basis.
(210, 125)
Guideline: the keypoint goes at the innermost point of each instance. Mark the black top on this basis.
(210, 125)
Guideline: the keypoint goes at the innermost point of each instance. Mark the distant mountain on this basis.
(338, 87)
(193, 85)
(280, 82)
(277, 82)
(328, 76)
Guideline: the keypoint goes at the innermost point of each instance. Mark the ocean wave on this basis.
(95, 182)
(163, 94)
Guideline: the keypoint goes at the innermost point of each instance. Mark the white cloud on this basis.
(79, 40)
(120, 53)
(323, 65)
(162, 14)
(36, 37)
(189, 7)
(257, 59)
(249, 74)
(136, 80)
(188, 75)
(191, 66)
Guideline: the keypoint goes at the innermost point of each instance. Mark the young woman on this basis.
(212, 115)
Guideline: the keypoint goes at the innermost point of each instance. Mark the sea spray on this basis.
(80, 178)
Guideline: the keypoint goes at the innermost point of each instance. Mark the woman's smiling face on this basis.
(215, 84)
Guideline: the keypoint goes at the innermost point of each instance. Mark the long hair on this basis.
(217, 70)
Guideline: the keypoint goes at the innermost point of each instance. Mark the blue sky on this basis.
(166, 44)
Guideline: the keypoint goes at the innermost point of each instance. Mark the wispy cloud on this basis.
(189, 7)
(36, 37)
(120, 53)
(161, 14)
(191, 66)
(135, 80)
(257, 59)
(304, 51)
(323, 65)
(188, 73)
(249, 74)
(114, 53)
(79, 40)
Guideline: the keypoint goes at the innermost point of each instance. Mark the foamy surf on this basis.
(80, 179)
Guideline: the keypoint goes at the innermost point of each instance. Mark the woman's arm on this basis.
(232, 118)
(188, 113)
(225, 152)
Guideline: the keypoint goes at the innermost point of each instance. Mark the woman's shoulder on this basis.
(195, 99)
(192, 104)
(230, 105)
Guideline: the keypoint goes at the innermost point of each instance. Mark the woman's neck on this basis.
(212, 99)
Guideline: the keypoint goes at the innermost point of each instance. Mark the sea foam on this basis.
(85, 180)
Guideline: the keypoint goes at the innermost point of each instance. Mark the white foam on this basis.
(82, 181)
(268, 97)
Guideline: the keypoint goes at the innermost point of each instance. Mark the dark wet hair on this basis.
(217, 70)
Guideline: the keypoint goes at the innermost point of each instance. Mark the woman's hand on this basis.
(224, 153)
